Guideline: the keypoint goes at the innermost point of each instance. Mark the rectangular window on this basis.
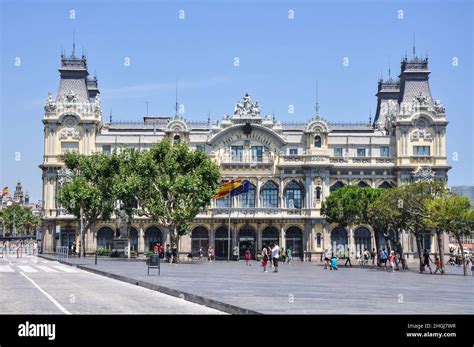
(384, 151)
(423, 151)
(199, 147)
(338, 152)
(106, 149)
(293, 151)
(361, 152)
(257, 153)
(69, 147)
(237, 153)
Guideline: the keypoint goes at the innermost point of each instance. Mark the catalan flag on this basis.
(226, 187)
(5, 191)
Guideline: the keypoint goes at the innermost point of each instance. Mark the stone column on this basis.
(282, 237)
(308, 188)
(141, 239)
(350, 241)
(257, 193)
(259, 237)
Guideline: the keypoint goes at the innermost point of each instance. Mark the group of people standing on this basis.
(274, 254)
(19, 247)
(170, 252)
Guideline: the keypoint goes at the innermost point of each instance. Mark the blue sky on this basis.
(280, 61)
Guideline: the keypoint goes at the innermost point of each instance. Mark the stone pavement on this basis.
(306, 288)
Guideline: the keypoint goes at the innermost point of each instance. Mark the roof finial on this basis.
(370, 116)
(176, 100)
(73, 42)
(389, 75)
(110, 116)
(209, 118)
(273, 115)
(316, 107)
(414, 52)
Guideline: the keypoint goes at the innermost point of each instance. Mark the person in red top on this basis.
(247, 257)
(155, 249)
(438, 265)
(391, 259)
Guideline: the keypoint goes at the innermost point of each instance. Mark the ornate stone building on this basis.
(292, 167)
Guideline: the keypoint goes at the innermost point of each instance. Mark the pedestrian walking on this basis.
(162, 251)
(366, 257)
(333, 263)
(169, 254)
(372, 256)
(35, 248)
(155, 248)
(348, 258)
(174, 252)
(391, 260)
(270, 256)
(327, 258)
(282, 255)
(247, 257)
(438, 265)
(200, 253)
(264, 258)
(289, 255)
(427, 260)
(275, 256)
(209, 254)
(383, 258)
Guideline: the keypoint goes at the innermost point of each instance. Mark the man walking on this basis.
(427, 260)
(275, 256)
(372, 256)
(383, 258)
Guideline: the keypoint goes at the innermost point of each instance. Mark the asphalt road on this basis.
(32, 285)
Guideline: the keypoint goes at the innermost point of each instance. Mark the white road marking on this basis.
(46, 268)
(58, 305)
(6, 268)
(27, 268)
(65, 268)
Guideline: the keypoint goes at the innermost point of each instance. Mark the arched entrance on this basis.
(221, 242)
(105, 236)
(270, 235)
(339, 241)
(199, 239)
(133, 239)
(247, 237)
(294, 240)
(68, 236)
(362, 240)
(153, 235)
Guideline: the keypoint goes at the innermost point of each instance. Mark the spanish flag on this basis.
(226, 187)
(5, 191)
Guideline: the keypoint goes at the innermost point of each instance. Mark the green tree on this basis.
(452, 214)
(385, 216)
(349, 205)
(412, 204)
(177, 183)
(88, 192)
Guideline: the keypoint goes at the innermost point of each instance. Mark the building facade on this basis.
(292, 167)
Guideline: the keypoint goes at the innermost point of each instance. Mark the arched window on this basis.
(199, 239)
(318, 193)
(318, 240)
(105, 236)
(133, 239)
(247, 200)
(270, 235)
(293, 195)
(317, 141)
(221, 241)
(362, 240)
(247, 237)
(176, 139)
(152, 236)
(336, 186)
(385, 185)
(339, 242)
(270, 195)
(294, 241)
(223, 203)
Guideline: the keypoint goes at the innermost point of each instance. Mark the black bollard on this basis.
(96, 257)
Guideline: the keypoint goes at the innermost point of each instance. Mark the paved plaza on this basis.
(307, 288)
(32, 285)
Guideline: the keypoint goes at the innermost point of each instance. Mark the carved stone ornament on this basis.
(70, 96)
(424, 174)
(49, 105)
(70, 132)
(439, 107)
(248, 108)
(420, 99)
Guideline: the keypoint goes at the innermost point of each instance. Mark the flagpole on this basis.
(228, 232)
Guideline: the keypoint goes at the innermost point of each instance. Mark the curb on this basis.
(196, 299)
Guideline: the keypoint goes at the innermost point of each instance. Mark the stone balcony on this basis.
(247, 161)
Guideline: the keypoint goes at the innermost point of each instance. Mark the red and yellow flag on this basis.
(226, 187)
(5, 191)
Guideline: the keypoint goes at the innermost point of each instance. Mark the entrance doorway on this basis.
(247, 236)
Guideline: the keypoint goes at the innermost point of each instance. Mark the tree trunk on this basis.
(377, 245)
(419, 248)
(463, 258)
(439, 237)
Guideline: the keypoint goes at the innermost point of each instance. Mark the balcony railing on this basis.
(246, 159)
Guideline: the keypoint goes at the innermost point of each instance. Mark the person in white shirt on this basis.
(275, 256)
